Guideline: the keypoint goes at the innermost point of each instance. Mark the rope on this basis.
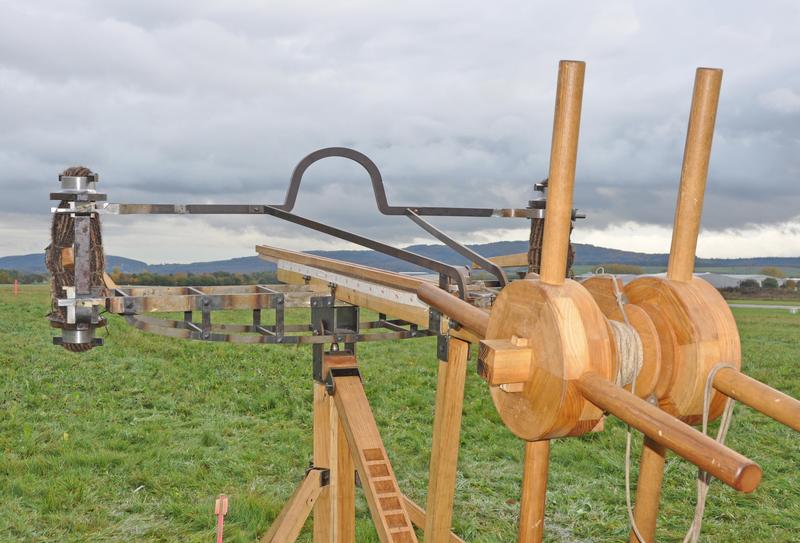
(535, 248)
(703, 478)
(620, 299)
(630, 353)
(629, 371)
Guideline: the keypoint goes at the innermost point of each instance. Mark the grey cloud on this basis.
(209, 101)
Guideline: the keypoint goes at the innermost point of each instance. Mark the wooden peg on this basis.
(67, 258)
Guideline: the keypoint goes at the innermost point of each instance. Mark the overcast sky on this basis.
(209, 101)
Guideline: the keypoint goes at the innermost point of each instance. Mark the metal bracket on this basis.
(330, 319)
(435, 325)
(324, 474)
(333, 373)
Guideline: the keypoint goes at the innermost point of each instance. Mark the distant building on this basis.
(718, 280)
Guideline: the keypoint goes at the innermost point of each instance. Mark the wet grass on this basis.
(133, 441)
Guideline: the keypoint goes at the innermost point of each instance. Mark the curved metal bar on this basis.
(377, 187)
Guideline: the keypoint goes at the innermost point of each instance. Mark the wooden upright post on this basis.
(446, 441)
(558, 218)
(694, 173)
(334, 512)
(563, 155)
(534, 491)
(648, 490)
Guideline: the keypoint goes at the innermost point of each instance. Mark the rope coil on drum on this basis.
(630, 357)
(630, 352)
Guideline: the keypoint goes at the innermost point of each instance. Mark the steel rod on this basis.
(463, 250)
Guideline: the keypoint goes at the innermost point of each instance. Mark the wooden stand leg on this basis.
(334, 513)
(648, 490)
(377, 476)
(290, 521)
(534, 491)
(446, 441)
(323, 510)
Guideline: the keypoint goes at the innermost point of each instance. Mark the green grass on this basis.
(788, 303)
(133, 441)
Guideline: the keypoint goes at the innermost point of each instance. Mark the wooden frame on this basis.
(346, 441)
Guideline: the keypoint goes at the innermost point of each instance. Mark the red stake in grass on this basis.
(16, 287)
(221, 509)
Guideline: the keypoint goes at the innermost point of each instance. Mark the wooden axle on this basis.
(605, 291)
(470, 317)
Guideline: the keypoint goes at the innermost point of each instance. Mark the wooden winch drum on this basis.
(604, 291)
(567, 335)
(696, 332)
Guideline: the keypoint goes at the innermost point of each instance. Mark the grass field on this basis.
(787, 303)
(133, 441)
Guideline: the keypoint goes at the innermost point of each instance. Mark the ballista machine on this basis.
(552, 351)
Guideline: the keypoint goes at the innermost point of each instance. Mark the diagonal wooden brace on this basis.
(386, 504)
(290, 521)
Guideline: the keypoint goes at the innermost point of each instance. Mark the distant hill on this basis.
(585, 255)
(34, 263)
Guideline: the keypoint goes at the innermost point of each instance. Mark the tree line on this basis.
(180, 279)
(184, 279)
(8, 277)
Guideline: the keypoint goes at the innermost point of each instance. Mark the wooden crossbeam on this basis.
(509, 261)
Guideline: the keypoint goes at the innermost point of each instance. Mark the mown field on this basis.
(133, 441)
